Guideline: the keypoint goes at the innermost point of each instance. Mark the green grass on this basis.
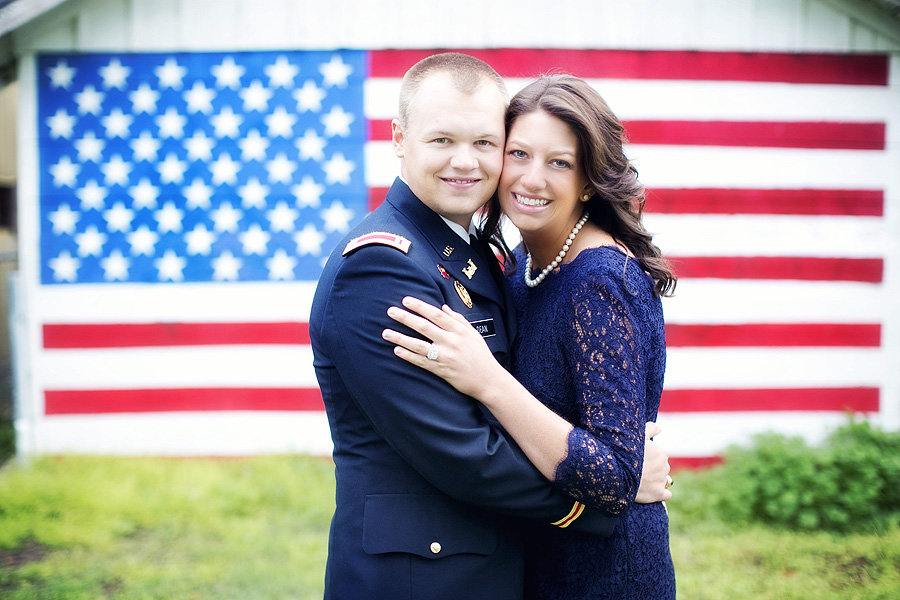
(75, 528)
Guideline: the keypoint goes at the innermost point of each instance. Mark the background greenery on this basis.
(81, 527)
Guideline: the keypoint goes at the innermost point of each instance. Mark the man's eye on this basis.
(441, 140)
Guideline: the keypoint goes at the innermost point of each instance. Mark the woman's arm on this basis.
(465, 361)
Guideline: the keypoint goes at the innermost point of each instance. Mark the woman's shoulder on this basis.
(609, 268)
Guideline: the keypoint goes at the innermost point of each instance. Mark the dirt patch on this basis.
(28, 551)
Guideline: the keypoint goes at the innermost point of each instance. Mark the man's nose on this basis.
(463, 159)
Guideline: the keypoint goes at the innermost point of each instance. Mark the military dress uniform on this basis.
(428, 483)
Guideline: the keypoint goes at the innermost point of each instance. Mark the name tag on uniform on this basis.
(485, 327)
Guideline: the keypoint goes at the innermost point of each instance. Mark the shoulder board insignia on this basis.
(378, 237)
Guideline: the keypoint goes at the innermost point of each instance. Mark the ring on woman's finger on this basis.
(669, 480)
(432, 352)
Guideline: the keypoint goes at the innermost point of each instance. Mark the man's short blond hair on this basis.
(466, 72)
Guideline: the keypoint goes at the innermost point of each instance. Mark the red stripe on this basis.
(816, 399)
(849, 69)
(791, 134)
(778, 334)
(678, 463)
(64, 402)
(868, 270)
(788, 134)
(765, 202)
(119, 335)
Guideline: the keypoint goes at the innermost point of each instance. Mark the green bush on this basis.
(847, 483)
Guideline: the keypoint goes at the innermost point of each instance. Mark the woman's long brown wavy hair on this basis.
(617, 201)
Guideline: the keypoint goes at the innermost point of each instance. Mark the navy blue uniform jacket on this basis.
(428, 483)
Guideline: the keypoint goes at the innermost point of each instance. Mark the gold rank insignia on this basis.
(469, 270)
(448, 250)
(463, 293)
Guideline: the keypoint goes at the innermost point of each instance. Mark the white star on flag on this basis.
(335, 72)
(89, 100)
(171, 170)
(228, 74)
(145, 147)
(114, 74)
(171, 74)
(169, 218)
(226, 217)
(65, 266)
(311, 146)
(198, 194)
(309, 240)
(199, 147)
(308, 192)
(282, 217)
(90, 148)
(309, 97)
(90, 242)
(199, 98)
(253, 147)
(281, 266)
(256, 97)
(144, 194)
(338, 169)
(115, 266)
(281, 169)
(254, 240)
(280, 123)
(61, 75)
(143, 241)
(117, 124)
(118, 218)
(199, 240)
(253, 194)
(61, 124)
(282, 73)
(226, 267)
(337, 217)
(170, 266)
(64, 172)
(337, 122)
(171, 124)
(226, 123)
(92, 195)
(225, 170)
(144, 99)
(64, 220)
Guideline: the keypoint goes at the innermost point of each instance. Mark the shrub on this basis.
(847, 483)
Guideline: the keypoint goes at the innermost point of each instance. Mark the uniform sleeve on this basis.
(442, 434)
(606, 449)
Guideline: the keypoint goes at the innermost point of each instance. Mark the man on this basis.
(428, 484)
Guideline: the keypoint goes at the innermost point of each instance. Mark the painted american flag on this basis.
(188, 200)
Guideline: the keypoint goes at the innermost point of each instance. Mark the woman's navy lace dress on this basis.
(591, 347)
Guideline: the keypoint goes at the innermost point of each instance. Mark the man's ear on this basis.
(397, 138)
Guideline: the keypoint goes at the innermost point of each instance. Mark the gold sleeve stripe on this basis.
(570, 518)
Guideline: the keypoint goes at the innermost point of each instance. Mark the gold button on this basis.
(435, 547)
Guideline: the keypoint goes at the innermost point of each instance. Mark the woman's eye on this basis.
(561, 164)
(517, 153)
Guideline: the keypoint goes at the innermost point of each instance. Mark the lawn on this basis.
(256, 528)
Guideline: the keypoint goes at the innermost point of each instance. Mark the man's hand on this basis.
(655, 476)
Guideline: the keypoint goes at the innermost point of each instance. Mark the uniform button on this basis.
(435, 547)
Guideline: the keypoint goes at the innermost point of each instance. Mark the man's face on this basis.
(451, 148)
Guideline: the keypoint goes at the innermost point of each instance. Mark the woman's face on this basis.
(542, 182)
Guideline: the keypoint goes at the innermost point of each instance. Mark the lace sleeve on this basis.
(606, 447)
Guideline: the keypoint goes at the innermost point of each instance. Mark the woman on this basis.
(591, 346)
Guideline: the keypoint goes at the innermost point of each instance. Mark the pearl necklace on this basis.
(559, 257)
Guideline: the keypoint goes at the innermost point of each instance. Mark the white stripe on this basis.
(175, 367)
(185, 434)
(713, 166)
(709, 434)
(768, 235)
(701, 100)
(738, 368)
(135, 303)
(735, 301)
